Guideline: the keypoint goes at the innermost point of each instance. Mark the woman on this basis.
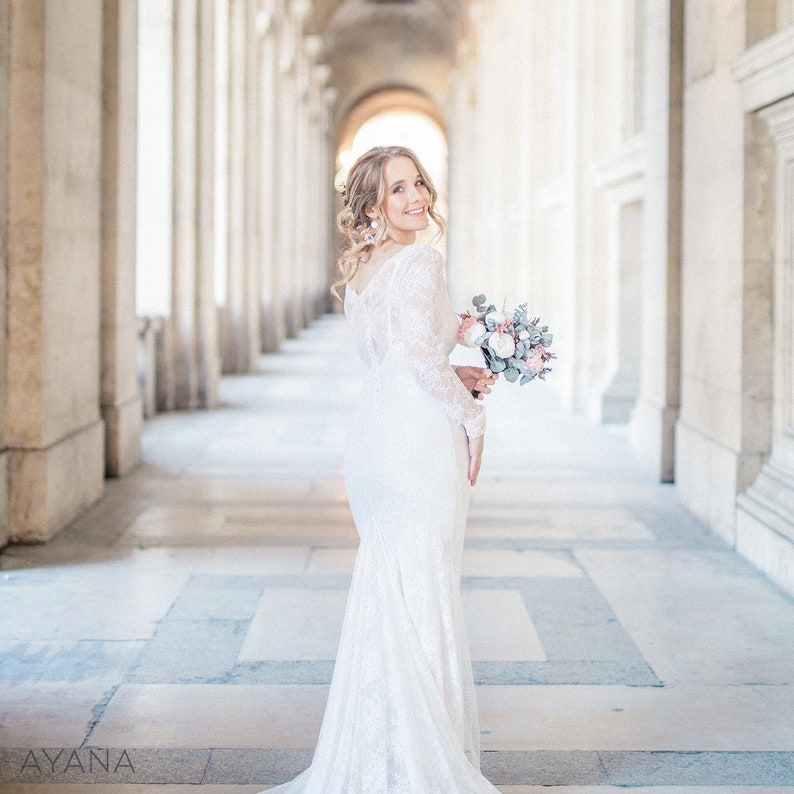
(401, 715)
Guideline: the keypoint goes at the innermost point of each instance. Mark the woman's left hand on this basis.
(477, 379)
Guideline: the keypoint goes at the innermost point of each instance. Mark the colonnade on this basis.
(241, 222)
(625, 167)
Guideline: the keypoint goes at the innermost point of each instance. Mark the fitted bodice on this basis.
(404, 314)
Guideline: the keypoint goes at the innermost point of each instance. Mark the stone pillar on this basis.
(4, 74)
(461, 139)
(53, 427)
(207, 348)
(121, 403)
(319, 151)
(272, 322)
(242, 310)
(656, 410)
(252, 342)
(765, 512)
(193, 314)
(286, 187)
(234, 308)
(185, 185)
(305, 182)
(716, 456)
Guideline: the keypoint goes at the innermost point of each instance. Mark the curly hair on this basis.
(365, 189)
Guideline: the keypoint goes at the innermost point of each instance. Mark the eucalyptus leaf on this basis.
(511, 374)
(524, 379)
(497, 365)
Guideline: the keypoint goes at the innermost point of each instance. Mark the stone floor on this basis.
(182, 633)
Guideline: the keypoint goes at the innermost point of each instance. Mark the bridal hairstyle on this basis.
(365, 188)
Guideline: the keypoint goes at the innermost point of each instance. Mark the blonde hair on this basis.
(365, 189)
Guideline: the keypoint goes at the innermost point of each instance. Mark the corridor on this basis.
(182, 632)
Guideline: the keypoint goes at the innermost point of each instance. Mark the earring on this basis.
(369, 237)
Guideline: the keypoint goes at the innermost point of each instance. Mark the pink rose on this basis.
(469, 330)
(537, 361)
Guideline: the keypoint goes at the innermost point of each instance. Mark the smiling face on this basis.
(406, 200)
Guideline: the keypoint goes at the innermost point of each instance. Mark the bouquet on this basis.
(511, 343)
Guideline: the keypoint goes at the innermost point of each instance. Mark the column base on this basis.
(50, 487)
(272, 326)
(5, 532)
(615, 404)
(709, 476)
(123, 429)
(653, 438)
(765, 521)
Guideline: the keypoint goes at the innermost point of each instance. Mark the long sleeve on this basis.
(426, 318)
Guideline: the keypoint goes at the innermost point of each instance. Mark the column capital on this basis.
(312, 46)
(264, 22)
(299, 10)
(321, 73)
(330, 95)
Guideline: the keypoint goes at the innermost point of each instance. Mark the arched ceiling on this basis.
(371, 45)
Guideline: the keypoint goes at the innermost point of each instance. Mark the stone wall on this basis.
(633, 180)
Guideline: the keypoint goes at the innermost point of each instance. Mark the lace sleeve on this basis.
(424, 308)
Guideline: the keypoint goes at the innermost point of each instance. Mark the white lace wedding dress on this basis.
(401, 715)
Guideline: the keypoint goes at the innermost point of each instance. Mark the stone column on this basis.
(53, 427)
(306, 185)
(185, 185)
(4, 69)
(319, 146)
(243, 333)
(194, 316)
(253, 148)
(234, 350)
(716, 454)
(286, 185)
(121, 403)
(656, 410)
(461, 139)
(272, 321)
(207, 347)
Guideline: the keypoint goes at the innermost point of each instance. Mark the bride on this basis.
(401, 715)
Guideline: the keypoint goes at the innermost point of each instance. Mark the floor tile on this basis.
(691, 718)
(673, 604)
(295, 624)
(515, 562)
(197, 716)
(512, 638)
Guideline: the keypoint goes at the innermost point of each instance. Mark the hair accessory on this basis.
(369, 237)
(343, 193)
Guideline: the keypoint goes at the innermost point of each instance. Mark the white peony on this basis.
(502, 344)
(472, 334)
(495, 318)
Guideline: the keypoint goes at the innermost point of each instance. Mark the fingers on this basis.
(474, 472)
(475, 458)
(484, 382)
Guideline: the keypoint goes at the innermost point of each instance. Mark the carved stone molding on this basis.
(765, 512)
(764, 71)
